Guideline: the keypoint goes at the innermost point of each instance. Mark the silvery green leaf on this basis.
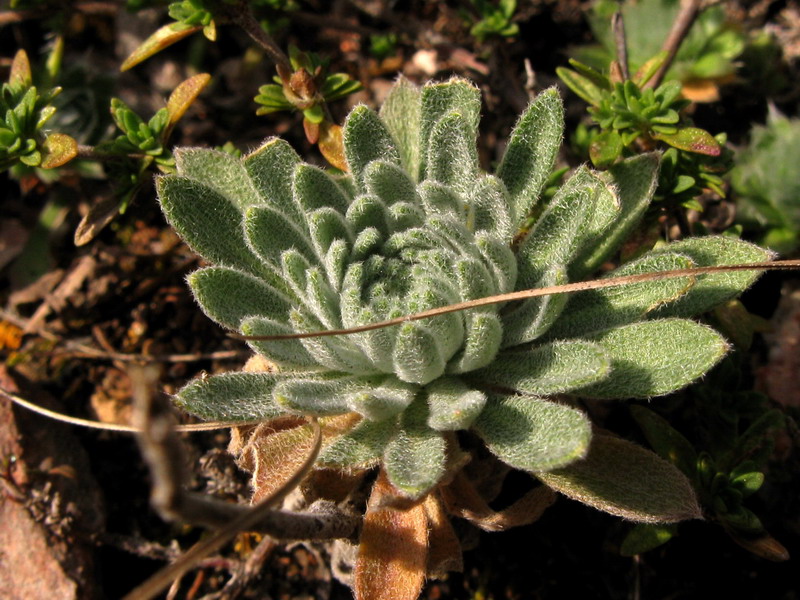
(368, 211)
(209, 223)
(384, 399)
(597, 310)
(334, 352)
(626, 480)
(325, 226)
(293, 268)
(366, 138)
(318, 396)
(452, 154)
(483, 333)
(367, 242)
(270, 233)
(447, 329)
(441, 99)
(473, 278)
(533, 434)
(221, 171)
(401, 114)
(390, 183)
(228, 296)
(531, 153)
(453, 405)
(271, 168)
(403, 215)
(314, 189)
(335, 262)
(716, 288)
(362, 446)
(439, 199)
(321, 299)
(491, 209)
(532, 318)
(653, 358)
(558, 232)
(417, 357)
(548, 369)
(287, 353)
(634, 180)
(501, 261)
(232, 397)
(604, 213)
(415, 457)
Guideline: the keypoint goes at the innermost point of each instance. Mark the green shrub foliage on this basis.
(417, 224)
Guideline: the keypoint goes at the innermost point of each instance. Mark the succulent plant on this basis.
(416, 224)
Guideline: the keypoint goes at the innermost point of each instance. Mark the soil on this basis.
(75, 518)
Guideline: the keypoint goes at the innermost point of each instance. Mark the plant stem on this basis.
(620, 39)
(689, 11)
(242, 15)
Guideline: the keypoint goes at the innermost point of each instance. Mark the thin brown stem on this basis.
(621, 42)
(242, 16)
(689, 11)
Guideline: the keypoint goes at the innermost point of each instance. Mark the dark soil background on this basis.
(75, 521)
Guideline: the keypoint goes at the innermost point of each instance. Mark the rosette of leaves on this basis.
(416, 224)
(495, 19)
(766, 180)
(24, 113)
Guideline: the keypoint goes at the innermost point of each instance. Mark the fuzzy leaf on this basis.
(401, 114)
(417, 358)
(452, 154)
(270, 233)
(390, 183)
(383, 399)
(366, 138)
(597, 310)
(453, 405)
(287, 353)
(713, 289)
(482, 338)
(548, 369)
(271, 167)
(209, 223)
(626, 480)
(531, 153)
(317, 396)
(653, 358)
(313, 188)
(221, 172)
(415, 458)
(232, 397)
(635, 182)
(228, 296)
(362, 446)
(533, 434)
(490, 208)
(532, 318)
(441, 99)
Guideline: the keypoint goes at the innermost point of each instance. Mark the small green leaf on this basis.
(362, 446)
(691, 139)
(452, 156)
(646, 536)
(606, 148)
(59, 149)
(666, 441)
(649, 68)
(417, 357)
(20, 76)
(582, 86)
(367, 138)
(219, 170)
(271, 168)
(401, 114)
(626, 480)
